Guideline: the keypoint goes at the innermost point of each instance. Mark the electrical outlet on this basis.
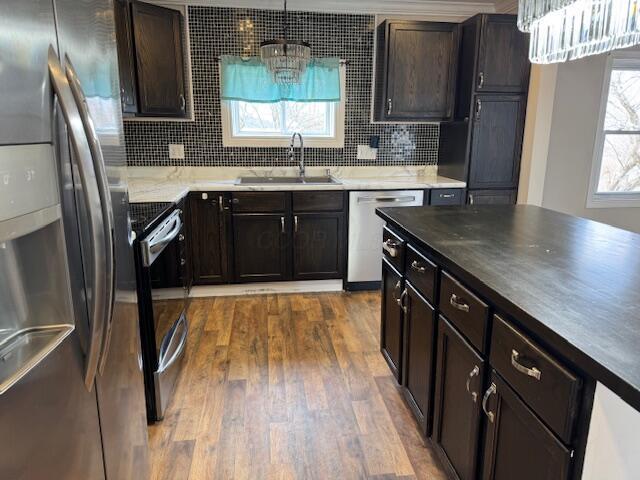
(365, 152)
(176, 151)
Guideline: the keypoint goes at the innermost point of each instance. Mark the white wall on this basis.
(613, 445)
(570, 126)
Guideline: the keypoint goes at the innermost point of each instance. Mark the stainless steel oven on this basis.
(163, 289)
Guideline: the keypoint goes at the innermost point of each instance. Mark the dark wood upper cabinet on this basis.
(493, 59)
(457, 405)
(261, 245)
(157, 35)
(150, 59)
(496, 141)
(391, 336)
(419, 358)
(503, 63)
(209, 237)
(416, 64)
(126, 61)
(318, 246)
(517, 444)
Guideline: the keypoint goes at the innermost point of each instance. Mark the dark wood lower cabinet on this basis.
(318, 249)
(391, 319)
(492, 197)
(457, 405)
(209, 237)
(261, 247)
(418, 358)
(517, 444)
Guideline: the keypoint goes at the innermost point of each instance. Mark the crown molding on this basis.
(436, 8)
(506, 6)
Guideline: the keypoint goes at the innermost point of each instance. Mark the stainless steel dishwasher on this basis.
(364, 266)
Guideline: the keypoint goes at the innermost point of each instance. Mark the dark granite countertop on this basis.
(572, 283)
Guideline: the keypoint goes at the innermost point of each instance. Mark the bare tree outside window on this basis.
(620, 166)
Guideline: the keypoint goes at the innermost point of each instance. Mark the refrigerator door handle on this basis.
(105, 200)
(82, 151)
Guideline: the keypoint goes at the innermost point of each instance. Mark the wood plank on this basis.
(288, 387)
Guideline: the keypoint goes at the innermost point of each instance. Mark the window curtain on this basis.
(250, 81)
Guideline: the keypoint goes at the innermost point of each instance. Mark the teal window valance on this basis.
(250, 81)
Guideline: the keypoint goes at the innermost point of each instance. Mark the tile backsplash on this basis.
(223, 31)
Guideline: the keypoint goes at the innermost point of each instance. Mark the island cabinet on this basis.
(495, 402)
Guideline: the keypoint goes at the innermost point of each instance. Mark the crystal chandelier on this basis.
(564, 30)
(286, 59)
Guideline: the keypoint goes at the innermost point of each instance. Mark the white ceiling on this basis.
(435, 8)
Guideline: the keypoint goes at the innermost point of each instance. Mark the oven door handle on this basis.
(157, 245)
(168, 343)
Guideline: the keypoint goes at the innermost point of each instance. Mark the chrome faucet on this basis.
(291, 151)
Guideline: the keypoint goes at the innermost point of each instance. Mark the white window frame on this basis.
(595, 199)
(272, 141)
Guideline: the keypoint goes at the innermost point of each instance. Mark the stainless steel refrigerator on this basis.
(71, 387)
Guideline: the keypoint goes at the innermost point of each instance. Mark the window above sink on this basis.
(257, 124)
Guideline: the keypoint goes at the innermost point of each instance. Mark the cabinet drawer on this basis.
(259, 202)
(393, 249)
(446, 196)
(549, 388)
(318, 201)
(421, 272)
(466, 311)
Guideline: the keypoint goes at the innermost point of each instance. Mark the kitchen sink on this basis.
(323, 180)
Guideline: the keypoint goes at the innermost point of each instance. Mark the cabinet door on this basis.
(421, 70)
(419, 343)
(503, 59)
(456, 424)
(492, 197)
(517, 444)
(208, 238)
(261, 247)
(318, 245)
(126, 61)
(496, 144)
(391, 319)
(159, 60)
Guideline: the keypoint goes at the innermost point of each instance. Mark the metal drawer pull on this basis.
(474, 373)
(295, 223)
(396, 289)
(282, 224)
(447, 195)
(490, 391)
(389, 106)
(400, 301)
(417, 267)
(457, 303)
(481, 80)
(530, 371)
(391, 248)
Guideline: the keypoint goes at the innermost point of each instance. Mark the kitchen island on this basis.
(544, 309)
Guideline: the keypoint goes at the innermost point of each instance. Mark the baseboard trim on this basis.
(309, 286)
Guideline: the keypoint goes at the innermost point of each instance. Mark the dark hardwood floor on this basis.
(288, 387)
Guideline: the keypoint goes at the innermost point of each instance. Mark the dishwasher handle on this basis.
(398, 199)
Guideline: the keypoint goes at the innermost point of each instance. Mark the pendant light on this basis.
(285, 59)
(564, 30)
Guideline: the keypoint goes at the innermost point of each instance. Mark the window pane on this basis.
(623, 104)
(257, 118)
(620, 170)
(308, 118)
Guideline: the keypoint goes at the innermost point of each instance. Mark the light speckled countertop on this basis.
(167, 184)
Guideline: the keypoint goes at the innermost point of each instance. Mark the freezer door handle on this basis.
(82, 151)
(105, 200)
